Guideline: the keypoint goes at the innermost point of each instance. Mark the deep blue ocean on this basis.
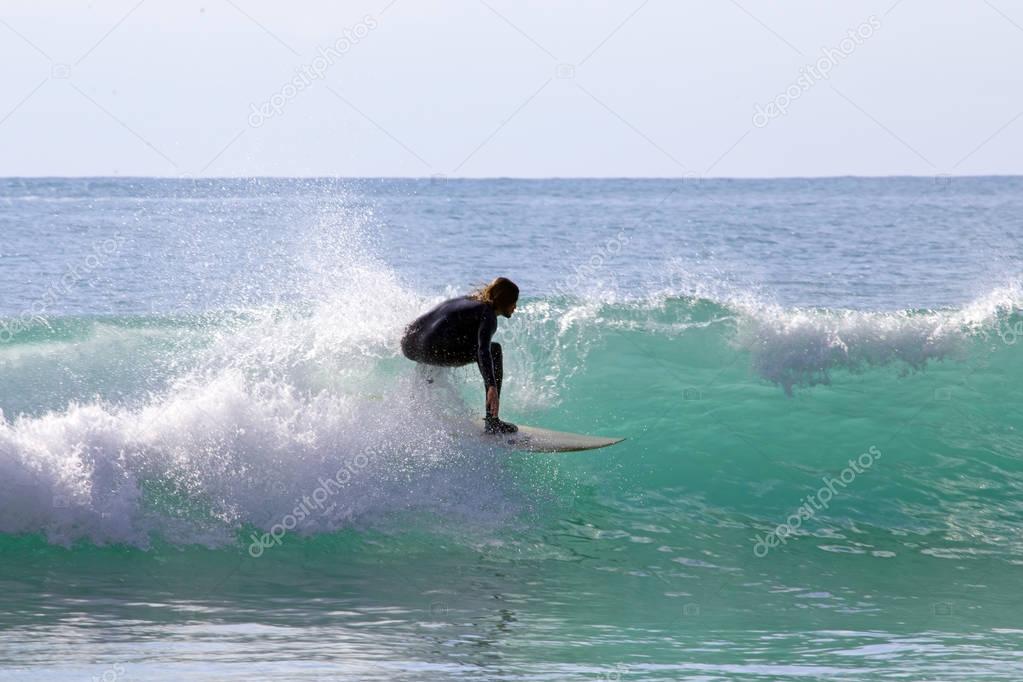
(216, 464)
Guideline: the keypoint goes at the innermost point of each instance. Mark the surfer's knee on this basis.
(495, 349)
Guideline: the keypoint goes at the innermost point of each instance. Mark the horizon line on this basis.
(439, 178)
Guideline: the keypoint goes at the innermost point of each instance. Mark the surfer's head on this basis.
(502, 294)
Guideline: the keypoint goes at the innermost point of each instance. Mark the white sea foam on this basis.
(273, 404)
(793, 346)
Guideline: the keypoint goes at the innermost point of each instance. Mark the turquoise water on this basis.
(214, 464)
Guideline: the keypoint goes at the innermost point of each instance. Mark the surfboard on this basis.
(535, 439)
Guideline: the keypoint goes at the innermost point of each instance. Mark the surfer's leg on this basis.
(420, 347)
(414, 347)
(493, 424)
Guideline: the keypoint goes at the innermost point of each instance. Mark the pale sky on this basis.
(519, 88)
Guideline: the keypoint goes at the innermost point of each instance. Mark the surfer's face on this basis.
(507, 312)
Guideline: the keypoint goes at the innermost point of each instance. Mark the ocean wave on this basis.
(197, 429)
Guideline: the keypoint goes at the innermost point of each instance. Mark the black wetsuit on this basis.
(457, 332)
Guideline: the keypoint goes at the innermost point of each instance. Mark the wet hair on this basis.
(500, 293)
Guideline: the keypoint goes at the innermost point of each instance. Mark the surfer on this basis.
(458, 331)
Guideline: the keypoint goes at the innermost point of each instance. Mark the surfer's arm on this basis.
(484, 358)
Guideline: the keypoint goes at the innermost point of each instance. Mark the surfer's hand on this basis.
(493, 401)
